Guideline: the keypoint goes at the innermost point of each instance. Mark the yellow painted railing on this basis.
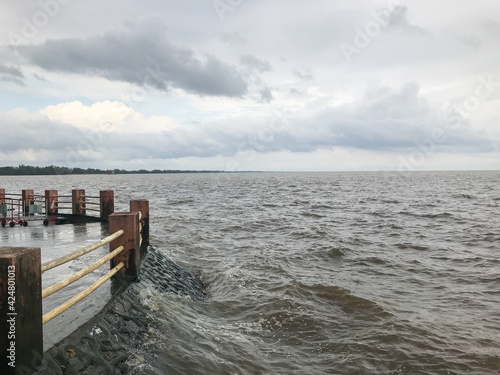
(77, 276)
(66, 305)
(76, 254)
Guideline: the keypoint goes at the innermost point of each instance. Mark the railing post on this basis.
(142, 205)
(3, 208)
(107, 203)
(27, 199)
(78, 201)
(129, 222)
(51, 202)
(21, 344)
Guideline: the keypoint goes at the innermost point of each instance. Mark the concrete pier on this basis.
(21, 320)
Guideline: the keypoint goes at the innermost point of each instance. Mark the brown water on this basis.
(305, 273)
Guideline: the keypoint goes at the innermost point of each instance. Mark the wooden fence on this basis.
(20, 209)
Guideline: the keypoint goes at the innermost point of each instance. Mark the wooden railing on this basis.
(21, 294)
(25, 207)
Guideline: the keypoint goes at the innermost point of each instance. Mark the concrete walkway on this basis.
(56, 241)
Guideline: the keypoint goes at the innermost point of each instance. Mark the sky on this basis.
(393, 85)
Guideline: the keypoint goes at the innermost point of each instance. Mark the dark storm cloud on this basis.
(142, 56)
(12, 74)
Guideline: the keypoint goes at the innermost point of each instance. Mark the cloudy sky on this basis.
(317, 85)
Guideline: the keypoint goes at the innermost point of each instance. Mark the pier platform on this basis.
(56, 241)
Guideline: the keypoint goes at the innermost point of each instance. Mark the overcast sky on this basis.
(251, 84)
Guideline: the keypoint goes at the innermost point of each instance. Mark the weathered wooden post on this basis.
(129, 222)
(27, 199)
(3, 208)
(21, 341)
(107, 203)
(51, 202)
(78, 201)
(142, 206)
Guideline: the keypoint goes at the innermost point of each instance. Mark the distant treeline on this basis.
(28, 170)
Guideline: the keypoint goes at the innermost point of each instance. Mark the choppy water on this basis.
(316, 273)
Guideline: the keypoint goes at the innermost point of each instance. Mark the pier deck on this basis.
(56, 241)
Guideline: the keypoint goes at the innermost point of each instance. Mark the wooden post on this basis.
(51, 202)
(21, 344)
(3, 209)
(142, 205)
(27, 199)
(107, 200)
(78, 201)
(129, 222)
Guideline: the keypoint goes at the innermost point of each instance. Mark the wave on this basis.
(466, 196)
(410, 246)
(321, 207)
(335, 252)
(342, 298)
(181, 202)
(103, 345)
(428, 216)
(271, 205)
(313, 232)
(312, 215)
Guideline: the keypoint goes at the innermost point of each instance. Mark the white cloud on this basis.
(107, 117)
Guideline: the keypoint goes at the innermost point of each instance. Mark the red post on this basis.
(21, 343)
(78, 201)
(3, 208)
(27, 198)
(142, 205)
(129, 222)
(107, 201)
(51, 202)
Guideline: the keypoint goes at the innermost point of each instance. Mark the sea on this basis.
(299, 273)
